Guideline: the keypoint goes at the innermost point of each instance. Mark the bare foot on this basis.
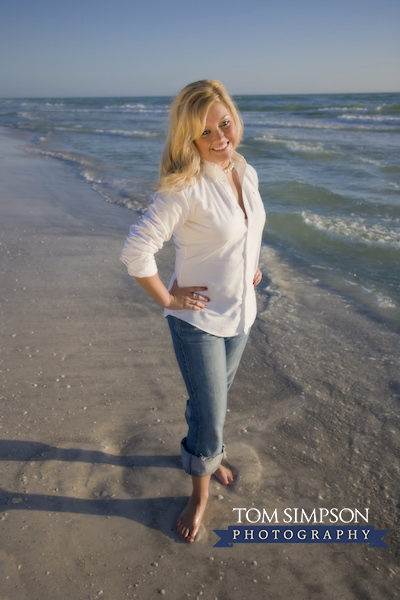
(189, 521)
(224, 475)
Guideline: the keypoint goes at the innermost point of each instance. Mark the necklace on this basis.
(230, 167)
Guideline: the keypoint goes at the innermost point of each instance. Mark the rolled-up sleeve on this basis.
(153, 229)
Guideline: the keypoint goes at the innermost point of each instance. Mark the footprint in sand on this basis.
(158, 475)
(153, 466)
(247, 491)
(147, 470)
(247, 468)
(79, 472)
(153, 471)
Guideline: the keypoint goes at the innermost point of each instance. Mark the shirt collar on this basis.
(215, 171)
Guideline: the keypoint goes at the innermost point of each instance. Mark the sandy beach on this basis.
(92, 413)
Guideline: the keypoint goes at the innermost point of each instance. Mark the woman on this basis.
(208, 200)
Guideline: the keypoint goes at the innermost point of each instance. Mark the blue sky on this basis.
(125, 47)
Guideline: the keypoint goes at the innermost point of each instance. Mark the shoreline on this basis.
(92, 407)
(377, 307)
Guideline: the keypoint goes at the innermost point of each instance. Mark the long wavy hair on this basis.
(180, 162)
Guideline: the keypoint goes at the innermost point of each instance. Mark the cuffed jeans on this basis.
(208, 364)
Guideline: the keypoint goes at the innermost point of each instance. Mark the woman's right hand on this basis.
(187, 297)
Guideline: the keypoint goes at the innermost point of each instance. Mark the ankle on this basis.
(200, 497)
(200, 489)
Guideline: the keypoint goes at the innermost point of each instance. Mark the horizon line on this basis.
(173, 95)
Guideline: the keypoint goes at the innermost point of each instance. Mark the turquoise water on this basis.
(328, 165)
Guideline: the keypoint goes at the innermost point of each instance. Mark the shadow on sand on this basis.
(150, 512)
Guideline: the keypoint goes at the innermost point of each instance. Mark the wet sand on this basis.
(92, 407)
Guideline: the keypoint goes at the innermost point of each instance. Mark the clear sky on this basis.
(155, 47)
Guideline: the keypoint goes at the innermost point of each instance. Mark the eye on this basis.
(225, 123)
(205, 132)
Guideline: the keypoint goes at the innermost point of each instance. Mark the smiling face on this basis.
(220, 136)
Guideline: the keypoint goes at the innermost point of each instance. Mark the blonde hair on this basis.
(180, 161)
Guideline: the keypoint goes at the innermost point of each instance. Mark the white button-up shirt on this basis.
(216, 246)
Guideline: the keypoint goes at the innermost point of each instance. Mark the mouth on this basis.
(221, 148)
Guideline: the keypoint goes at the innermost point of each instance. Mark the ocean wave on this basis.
(133, 132)
(115, 132)
(345, 125)
(370, 161)
(73, 128)
(384, 235)
(300, 147)
(391, 109)
(136, 108)
(67, 110)
(375, 118)
(391, 169)
(55, 104)
(268, 104)
(384, 302)
(86, 106)
(342, 108)
(113, 189)
(28, 104)
(45, 107)
(72, 157)
(246, 105)
(296, 146)
(296, 195)
(29, 116)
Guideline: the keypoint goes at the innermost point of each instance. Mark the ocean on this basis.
(328, 166)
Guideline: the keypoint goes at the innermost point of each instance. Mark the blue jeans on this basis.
(208, 364)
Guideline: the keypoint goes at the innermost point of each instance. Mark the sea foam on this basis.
(356, 230)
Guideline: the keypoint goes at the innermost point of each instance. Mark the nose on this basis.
(219, 134)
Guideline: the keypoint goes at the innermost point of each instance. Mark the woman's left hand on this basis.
(257, 277)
